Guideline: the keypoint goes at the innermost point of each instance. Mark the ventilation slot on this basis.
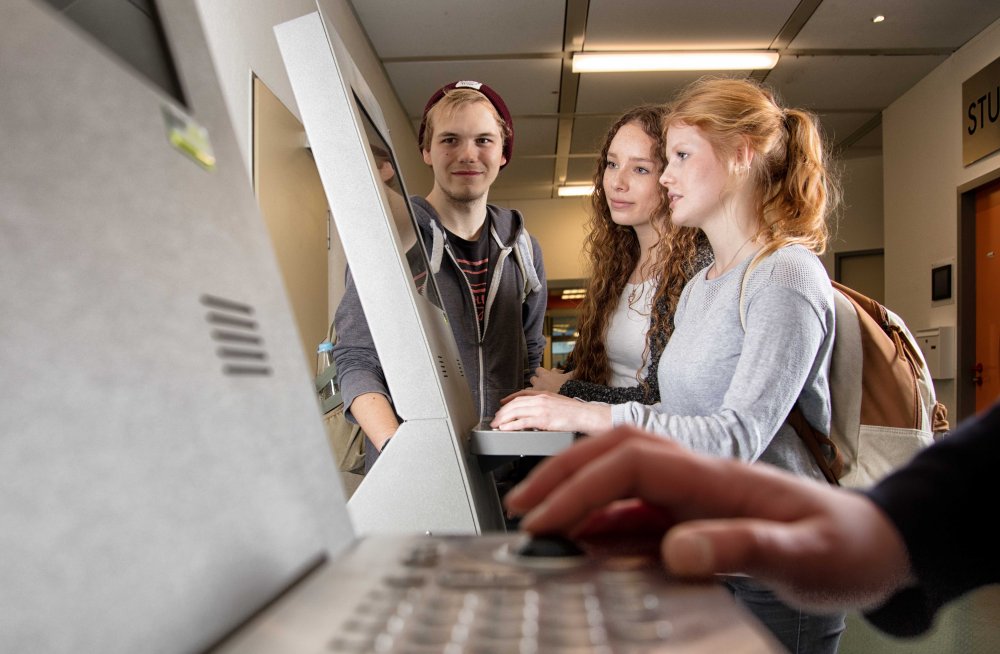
(241, 348)
(442, 366)
(461, 370)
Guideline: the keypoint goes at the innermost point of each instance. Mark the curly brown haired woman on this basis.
(639, 262)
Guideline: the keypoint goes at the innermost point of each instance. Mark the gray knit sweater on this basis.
(728, 392)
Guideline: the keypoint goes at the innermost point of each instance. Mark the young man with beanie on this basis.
(488, 271)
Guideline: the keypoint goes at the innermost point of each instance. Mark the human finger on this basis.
(524, 392)
(555, 470)
(518, 404)
(525, 412)
(547, 380)
(619, 473)
(549, 411)
(692, 486)
(843, 552)
(702, 548)
(625, 527)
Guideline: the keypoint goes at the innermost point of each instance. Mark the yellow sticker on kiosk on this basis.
(189, 137)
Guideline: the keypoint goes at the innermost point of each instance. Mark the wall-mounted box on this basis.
(938, 347)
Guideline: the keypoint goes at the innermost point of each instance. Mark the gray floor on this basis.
(969, 626)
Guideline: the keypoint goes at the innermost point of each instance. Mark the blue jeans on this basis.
(799, 632)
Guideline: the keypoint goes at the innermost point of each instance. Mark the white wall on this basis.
(560, 227)
(860, 223)
(922, 150)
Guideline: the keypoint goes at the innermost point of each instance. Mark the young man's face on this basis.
(466, 152)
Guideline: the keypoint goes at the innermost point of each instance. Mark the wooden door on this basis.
(294, 207)
(987, 295)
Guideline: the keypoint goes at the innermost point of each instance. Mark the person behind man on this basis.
(899, 551)
(488, 270)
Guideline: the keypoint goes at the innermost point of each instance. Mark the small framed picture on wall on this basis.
(942, 282)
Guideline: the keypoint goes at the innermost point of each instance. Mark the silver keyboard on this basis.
(477, 595)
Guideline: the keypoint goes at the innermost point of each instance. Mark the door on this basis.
(987, 261)
(294, 207)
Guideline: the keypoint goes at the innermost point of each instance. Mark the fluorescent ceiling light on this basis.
(574, 190)
(618, 62)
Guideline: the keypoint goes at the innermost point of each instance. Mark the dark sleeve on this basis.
(359, 370)
(940, 504)
(591, 392)
(647, 393)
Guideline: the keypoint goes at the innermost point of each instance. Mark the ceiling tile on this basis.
(654, 24)
(581, 170)
(517, 53)
(908, 24)
(848, 82)
(475, 27)
(534, 136)
(613, 93)
(526, 86)
(589, 133)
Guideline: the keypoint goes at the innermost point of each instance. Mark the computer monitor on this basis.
(163, 465)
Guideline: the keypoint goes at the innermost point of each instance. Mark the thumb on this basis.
(706, 547)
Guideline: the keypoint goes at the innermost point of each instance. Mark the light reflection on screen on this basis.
(406, 226)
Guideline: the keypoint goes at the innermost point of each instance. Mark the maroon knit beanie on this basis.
(490, 94)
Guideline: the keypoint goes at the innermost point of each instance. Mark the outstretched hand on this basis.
(552, 380)
(819, 547)
(531, 409)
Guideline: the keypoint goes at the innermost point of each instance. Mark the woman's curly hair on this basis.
(613, 253)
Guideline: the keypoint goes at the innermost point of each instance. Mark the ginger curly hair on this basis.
(796, 185)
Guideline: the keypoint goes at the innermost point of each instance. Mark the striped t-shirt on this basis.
(473, 258)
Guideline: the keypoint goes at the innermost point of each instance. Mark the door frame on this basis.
(965, 389)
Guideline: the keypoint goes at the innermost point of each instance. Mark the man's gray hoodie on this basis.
(496, 362)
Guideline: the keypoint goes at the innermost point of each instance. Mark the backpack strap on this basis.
(815, 441)
(743, 288)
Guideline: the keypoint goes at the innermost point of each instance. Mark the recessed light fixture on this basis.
(573, 293)
(574, 190)
(878, 19)
(618, 62)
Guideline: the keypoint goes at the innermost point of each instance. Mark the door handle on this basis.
(977, 374)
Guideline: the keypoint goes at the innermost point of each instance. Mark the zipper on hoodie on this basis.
(479, 331)
(491, 294)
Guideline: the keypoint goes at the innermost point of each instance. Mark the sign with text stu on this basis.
(981, 114)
